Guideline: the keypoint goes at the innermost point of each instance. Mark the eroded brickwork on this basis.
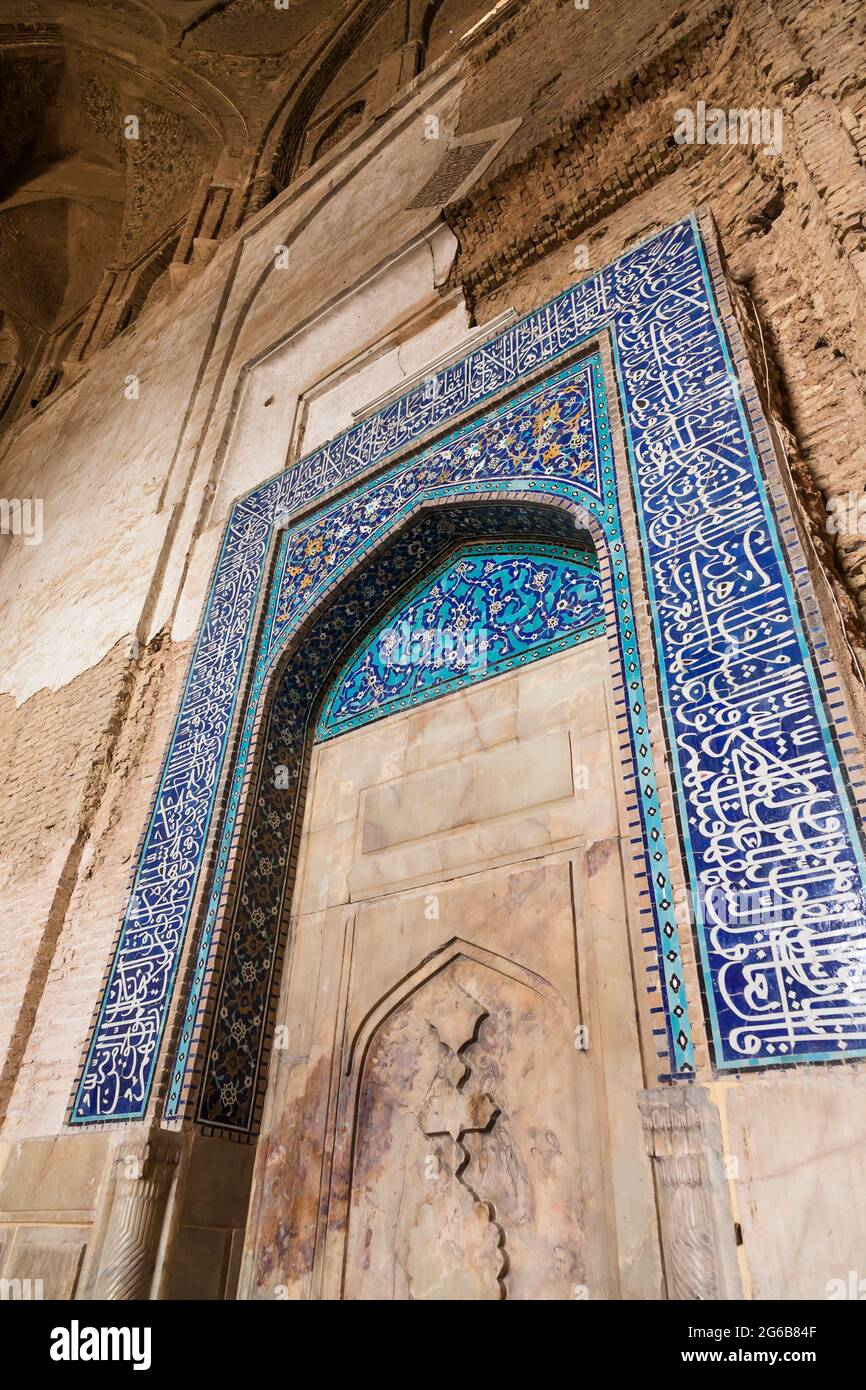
(793, 226)
(55, 750)
(82, 765)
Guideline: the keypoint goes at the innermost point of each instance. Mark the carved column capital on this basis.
(683, 1139)
(145, 1167)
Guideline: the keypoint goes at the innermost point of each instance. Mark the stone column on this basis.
(144, 1171)
(681, 1130)
(88, 338)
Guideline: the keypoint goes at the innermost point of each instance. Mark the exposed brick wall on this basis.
(89, 757)
(568, 169)
(552, 63)
(446, 21)
(54, 750)
(830, 37)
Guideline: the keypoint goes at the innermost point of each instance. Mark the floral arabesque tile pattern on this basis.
(488, 610)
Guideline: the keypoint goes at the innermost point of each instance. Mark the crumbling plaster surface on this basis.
(135, 474)
(141, 471)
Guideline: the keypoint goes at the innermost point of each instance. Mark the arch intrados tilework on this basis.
(467, 517)
(672, 350)
(490, 607)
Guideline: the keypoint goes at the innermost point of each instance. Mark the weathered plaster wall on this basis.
(127, 489)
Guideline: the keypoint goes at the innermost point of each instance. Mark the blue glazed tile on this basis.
(491, 608)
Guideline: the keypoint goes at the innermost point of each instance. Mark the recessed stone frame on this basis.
(674, 344)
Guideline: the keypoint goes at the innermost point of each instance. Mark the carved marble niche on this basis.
(467, 1078)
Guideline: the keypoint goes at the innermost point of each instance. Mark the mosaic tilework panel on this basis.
(763, 805)
(489, 610)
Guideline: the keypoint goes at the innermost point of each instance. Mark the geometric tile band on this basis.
(491, 608)
(768, 824)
